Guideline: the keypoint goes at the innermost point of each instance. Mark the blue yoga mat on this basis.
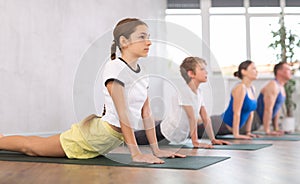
(190, 162)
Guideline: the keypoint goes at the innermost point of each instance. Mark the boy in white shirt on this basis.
(183, 121)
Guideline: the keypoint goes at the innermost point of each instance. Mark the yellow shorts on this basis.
(89, 140)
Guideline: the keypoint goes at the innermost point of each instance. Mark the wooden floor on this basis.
(279, 163)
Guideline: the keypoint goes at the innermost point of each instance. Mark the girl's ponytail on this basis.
(113, 50)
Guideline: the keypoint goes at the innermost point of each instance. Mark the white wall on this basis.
(42, 44)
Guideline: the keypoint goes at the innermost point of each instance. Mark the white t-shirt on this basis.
(175, 127)
(136, 85)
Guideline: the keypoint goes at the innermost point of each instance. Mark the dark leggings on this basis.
(220, 128)
(218, 125)
(141, 137)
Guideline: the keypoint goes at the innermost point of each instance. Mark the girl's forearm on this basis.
(209, 129)
(149, 126)
(130, 140)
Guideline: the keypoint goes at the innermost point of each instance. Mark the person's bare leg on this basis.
(33, 145)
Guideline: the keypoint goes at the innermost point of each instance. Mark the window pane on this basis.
(227, 10)
(292, 10)
(183, 11)
(292, 22)
(294, 3)
(191, 22)
(261, 38)
(228, 39)
(264, 3)
(264, 10)
(227, 3)
(183, 4)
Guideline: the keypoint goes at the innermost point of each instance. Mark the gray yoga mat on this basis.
(246, 147)
(270, 138)
(190, 162)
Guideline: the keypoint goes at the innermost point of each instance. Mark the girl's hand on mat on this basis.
(202, 145)
(253, 135)
(219, 142)
(280, 132)
(243, 137)
(147, 158)
(168, 154)
(275, 133)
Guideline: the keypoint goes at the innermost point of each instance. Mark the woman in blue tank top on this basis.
(240, 110)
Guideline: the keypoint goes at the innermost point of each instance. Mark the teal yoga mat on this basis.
(190, 162)
(270, 138)
(294, 133)
(246, 147)
(287, 133)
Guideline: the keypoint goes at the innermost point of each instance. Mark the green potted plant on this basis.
(285, 41)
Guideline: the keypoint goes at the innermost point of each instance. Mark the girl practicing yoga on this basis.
(126, 105)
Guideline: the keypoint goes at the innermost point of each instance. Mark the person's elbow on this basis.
(268, 110)
(146, 113)
(191, 118)
(206, 121)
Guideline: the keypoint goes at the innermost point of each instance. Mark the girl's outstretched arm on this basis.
(149, 126)
(116, 91)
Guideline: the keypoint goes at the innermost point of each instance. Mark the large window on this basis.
(237, 30)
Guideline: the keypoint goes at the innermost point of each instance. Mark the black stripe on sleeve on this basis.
(114, 80)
